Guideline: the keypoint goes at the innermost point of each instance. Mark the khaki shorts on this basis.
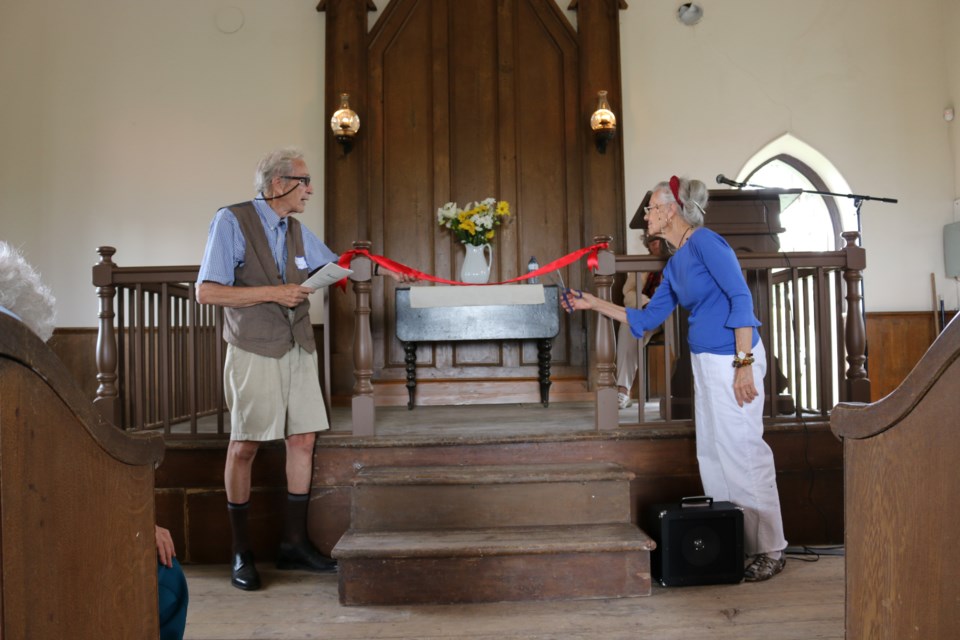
(271, 398)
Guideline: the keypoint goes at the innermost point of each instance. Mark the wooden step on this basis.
(456, 497)
(493, 564)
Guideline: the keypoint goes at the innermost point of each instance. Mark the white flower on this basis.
(447, 213)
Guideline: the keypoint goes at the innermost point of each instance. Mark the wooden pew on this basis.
(77, 549)
(902, 516)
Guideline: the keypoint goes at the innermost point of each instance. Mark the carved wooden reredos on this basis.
(461, 100)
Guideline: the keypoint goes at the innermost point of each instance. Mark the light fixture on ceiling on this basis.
(689, 13)
(603, 123)
(345, 123)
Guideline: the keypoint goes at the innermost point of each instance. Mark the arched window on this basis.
(790, 162)
(811, 222)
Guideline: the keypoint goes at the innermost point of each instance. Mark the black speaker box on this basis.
(699, 541)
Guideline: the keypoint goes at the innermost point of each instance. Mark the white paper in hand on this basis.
(326, 275)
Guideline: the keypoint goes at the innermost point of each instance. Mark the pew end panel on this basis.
(900, 464)
(76, 505)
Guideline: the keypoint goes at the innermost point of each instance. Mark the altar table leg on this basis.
(410, 358)
(543, 357)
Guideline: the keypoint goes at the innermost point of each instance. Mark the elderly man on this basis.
(256, 256)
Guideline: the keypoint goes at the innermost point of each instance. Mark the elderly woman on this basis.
(728, 362)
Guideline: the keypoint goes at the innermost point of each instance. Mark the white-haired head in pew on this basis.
(23, 295)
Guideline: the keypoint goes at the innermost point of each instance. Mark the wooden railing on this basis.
(159, 352)
(813, 328)
(814, 334)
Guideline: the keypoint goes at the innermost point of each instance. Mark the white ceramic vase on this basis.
(476, 264)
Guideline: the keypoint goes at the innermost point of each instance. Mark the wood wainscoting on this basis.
(77, 349)
(896, 340)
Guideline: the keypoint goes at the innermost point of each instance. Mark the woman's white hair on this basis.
(694, 195)
(23, 294)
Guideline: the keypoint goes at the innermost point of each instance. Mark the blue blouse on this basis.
(704, 277)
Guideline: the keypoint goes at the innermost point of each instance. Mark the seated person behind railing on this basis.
(256, 256)
(627, 344)
(705, 277)
(26, 298)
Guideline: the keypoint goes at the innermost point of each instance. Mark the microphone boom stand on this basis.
(858, 200)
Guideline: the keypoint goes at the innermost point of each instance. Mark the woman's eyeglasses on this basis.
(653, 208)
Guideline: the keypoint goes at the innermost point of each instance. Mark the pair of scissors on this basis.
(564, 291)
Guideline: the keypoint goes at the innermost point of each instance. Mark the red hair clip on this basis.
(675, 188)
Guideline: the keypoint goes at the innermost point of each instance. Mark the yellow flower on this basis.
(490, 234)
(503, 208)
(468, 226)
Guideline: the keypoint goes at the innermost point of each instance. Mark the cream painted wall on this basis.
(129, 122)
(861, 81)
(951, 27)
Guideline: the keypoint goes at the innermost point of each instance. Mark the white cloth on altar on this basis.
(467, 296)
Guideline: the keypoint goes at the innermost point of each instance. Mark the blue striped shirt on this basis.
(226, 245)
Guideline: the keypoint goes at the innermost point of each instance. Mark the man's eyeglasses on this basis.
(304, 180)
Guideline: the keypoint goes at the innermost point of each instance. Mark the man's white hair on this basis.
(275, 164)
(22, 292)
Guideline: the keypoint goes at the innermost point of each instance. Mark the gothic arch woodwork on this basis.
(461, 100)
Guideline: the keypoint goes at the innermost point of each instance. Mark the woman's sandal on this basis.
(763, 568)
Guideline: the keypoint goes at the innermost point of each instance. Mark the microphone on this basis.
(722, 179)
(283, 195)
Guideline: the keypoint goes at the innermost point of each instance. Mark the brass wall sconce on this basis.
(345, 123)
(603, 123)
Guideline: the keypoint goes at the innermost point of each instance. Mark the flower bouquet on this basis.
(475, 224)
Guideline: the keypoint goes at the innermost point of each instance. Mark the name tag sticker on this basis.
(301, 262)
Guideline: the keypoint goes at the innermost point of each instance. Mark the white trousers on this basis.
(627, 357)
(736, 464)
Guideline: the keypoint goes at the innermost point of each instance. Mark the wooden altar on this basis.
(478, 323)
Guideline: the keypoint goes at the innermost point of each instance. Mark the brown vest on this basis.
(267, 329)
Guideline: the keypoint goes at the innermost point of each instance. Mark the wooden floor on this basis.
(804, 602)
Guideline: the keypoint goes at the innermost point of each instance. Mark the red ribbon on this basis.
(591, 252)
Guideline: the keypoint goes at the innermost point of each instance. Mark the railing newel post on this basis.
(858, 384)
(107, 398)
(607, 415)
(362, 402)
